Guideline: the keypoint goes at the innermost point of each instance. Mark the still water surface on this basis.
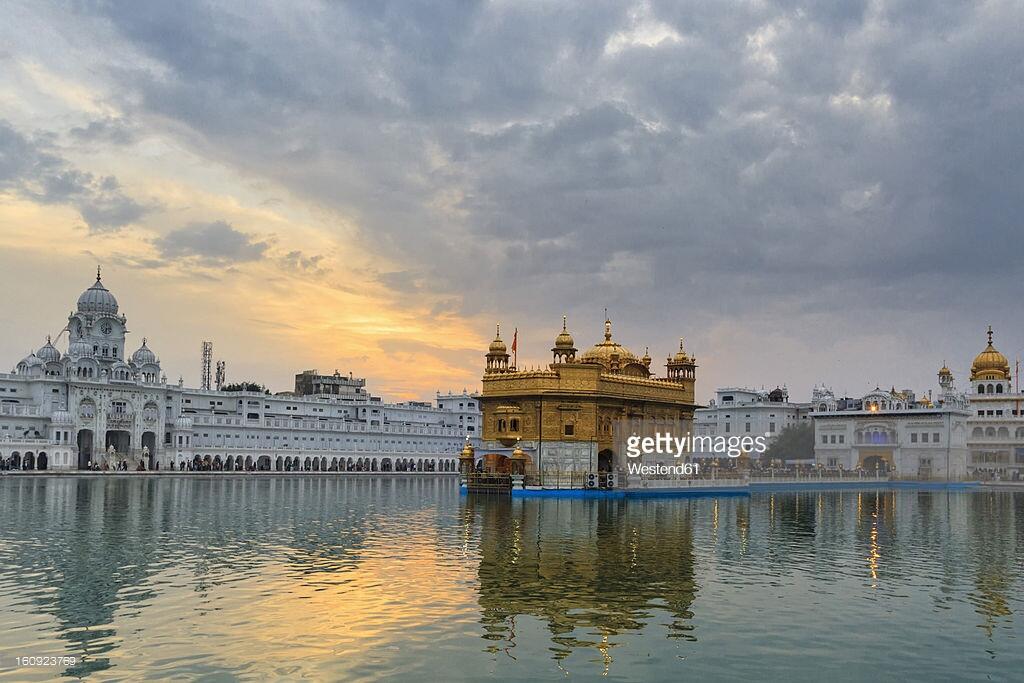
(360, 578)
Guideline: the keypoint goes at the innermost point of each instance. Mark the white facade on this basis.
(742, 412)
(894, 431)
(95, 405)
(996, 423)
(463, 412)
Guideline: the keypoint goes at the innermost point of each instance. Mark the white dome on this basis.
(61, 417)
(31, 361)
(48, 353)
(183, 423)
(97, 299)
(80, 349)
(143, 355)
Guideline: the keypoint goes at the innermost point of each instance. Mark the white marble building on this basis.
(96, 404)
(895, 431)
(737, 411)
(996, 423)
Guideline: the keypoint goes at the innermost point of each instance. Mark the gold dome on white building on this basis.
(990, 364)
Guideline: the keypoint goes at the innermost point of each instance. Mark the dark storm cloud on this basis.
(33, 168)
(708, 159)
(211, 244)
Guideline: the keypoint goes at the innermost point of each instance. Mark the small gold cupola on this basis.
(564, 350)
(497, 354)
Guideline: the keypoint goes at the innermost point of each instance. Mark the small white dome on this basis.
(183, 423)
(48, 353)
(80, 349)
(31, 361)
(143, 355)
(61, 417)
(97, 299)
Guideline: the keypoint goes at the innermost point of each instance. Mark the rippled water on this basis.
(348, 578)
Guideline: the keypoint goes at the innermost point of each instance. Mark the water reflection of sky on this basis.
(335, 577)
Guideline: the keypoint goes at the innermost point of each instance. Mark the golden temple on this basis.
(561, 417)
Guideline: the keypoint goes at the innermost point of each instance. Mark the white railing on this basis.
(19, 410)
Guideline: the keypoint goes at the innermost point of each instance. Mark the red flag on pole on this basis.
(515, 339)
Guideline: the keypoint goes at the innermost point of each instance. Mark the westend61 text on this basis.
(663, 443)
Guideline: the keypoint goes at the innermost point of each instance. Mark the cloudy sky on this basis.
(821, 191)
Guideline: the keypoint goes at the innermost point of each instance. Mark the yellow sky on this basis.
(267, 320)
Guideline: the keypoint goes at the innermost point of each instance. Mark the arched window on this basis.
(999, 388)
(977, 432)
(981, 388)
(501, 425)
(990, 389)
(990, 431)
(514, 422)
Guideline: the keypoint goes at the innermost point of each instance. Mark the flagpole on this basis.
(515, 348)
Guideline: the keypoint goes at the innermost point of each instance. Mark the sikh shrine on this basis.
(562, 418)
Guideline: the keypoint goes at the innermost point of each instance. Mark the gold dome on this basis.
(604, 352)
(518, 453)
(497, 346)
(990, 364)
(564, 340)
(681, 355)
(945, 371)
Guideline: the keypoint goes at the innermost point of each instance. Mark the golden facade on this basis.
(563, 415)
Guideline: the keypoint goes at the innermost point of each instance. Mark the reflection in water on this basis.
(367, 578)
(589, 569)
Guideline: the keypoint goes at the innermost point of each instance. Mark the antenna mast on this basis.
(204, 374)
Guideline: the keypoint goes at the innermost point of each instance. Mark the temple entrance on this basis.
(85, 441)
(42, 462)
(497, 463)
(120, 440)
(875, 462)
(149, 441)
(605, 460)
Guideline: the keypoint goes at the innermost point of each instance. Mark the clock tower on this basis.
(96, 325)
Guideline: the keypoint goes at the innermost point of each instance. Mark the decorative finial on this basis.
(497, 330)
(47, 339)
(990, 335)
(143, 341)
(563, 323)
(607, 328)
(97, 273)
(680, 343)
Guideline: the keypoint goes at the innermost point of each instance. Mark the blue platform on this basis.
(754, 487)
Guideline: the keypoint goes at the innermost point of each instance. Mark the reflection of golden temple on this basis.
(562, 416)
(583, 585)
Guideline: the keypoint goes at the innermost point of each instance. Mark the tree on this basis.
(795, 442)
(245, 386)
